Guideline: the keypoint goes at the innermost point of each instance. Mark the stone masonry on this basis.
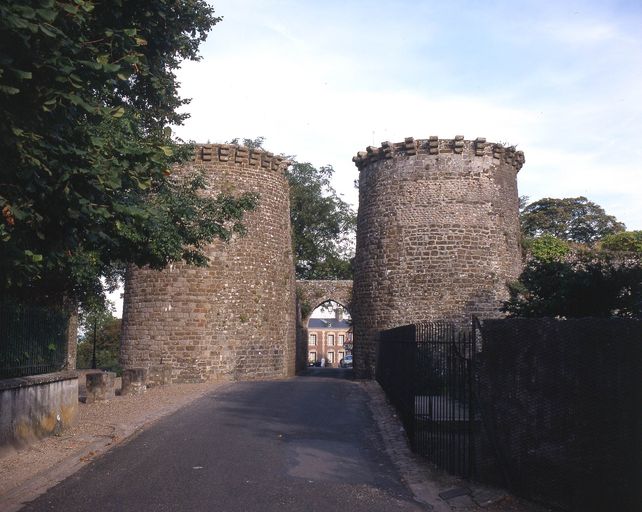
(437, 239)
(236, 318)
(437, 235)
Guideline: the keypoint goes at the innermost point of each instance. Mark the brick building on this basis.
(329, 338)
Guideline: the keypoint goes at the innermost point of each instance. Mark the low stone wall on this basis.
(37, 406)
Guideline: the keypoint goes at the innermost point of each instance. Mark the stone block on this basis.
(159, 375)
(99, 386)
(134, 381)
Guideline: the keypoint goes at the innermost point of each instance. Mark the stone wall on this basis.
(437, 235)
(236, 318)
(37, 406)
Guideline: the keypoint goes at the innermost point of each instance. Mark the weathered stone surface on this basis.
(159, 375)
(437, 235)
(100, 386)
(37, 406)
(134, 381)
(234, 320)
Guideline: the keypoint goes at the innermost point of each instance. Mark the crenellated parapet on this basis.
(240, 155)
(433, 145)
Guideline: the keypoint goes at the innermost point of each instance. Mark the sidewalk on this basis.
(438, 491)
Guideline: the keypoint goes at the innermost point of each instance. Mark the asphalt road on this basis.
(304, 444)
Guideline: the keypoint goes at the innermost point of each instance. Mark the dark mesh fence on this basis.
(33, 340)
(562, 407)
(551, 409)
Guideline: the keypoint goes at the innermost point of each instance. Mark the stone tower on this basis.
(236, 318)
(437, 235)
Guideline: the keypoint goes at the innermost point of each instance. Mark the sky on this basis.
(324, 80)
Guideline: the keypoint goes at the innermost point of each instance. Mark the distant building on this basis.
(329, 338)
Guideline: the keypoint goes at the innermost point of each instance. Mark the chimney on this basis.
(338, 314)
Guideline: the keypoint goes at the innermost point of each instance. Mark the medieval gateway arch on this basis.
(437, 239)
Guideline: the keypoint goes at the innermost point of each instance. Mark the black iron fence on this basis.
(33, 340)
(427, 376)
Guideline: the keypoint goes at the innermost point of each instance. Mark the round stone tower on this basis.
(235, 319)
(437, 235)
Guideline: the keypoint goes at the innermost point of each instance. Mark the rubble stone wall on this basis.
(437, 235)
(234, 320)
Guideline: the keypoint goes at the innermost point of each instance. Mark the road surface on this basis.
(303, 444)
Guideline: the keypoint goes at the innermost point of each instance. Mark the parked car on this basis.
(346, 362)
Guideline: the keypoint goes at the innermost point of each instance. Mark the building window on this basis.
(330, 339)
(330, 357)
(341, 339)
(312, 340)
(312, 357)
(341, 355)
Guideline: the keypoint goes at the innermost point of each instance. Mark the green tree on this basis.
(323, 225)
(625, 241)
(547, 248)
(583, 283)
(575, 219)
(106, 327)
(87, 95)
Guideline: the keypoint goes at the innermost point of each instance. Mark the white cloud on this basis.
(324, 81)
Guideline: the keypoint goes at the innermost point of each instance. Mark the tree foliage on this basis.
(106, 327)
(578, 284)
(87, 95)
(575, 219)
(547, 248)
(576, 265)
(323, 224)
(625, 241)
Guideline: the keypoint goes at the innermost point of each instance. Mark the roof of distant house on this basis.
(328, 323)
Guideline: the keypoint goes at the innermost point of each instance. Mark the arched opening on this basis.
(329, 336)
(321, 298)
